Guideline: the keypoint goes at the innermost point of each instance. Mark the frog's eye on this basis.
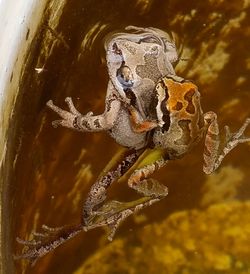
(125, 76)
(169, 45)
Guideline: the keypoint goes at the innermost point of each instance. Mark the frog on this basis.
(135, 62)
(155, 115)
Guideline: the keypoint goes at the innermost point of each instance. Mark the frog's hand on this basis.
(214, 153)
(46, 241)
(139, 124)
(75, 120)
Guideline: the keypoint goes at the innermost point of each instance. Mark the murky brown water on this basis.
(55, 167)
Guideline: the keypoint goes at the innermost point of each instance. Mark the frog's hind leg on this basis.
(95, 213)
(112, 213)
(214, 151)
(150, 188)
(46, 241)
(147, 186)
(94, 208)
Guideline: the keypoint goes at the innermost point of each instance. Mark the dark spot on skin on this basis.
(116, 49)
(189, 95)
(107, 180)
(186, 134)
(97, 123)
(109, 103)
(75, 122)
(189, 98)
(124, 167)
(85, 124)
(126, 164)
(27, 34)
(178, 106)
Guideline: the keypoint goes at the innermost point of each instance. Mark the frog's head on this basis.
(138, 54)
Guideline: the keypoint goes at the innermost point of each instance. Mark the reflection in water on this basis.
(55, 168)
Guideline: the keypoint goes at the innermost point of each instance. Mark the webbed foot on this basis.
(233, 139)
(112, 213)
(46, 241)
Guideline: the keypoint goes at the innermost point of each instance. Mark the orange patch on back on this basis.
(180, 96)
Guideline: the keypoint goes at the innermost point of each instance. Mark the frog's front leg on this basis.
(214, 152)
(138, 123)
(75, 120)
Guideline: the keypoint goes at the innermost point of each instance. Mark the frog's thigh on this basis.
(147, 186)
(211, 141)
(214, 153)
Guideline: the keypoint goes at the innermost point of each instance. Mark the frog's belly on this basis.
(123, 133)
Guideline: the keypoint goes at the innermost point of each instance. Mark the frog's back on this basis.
(179, 114)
